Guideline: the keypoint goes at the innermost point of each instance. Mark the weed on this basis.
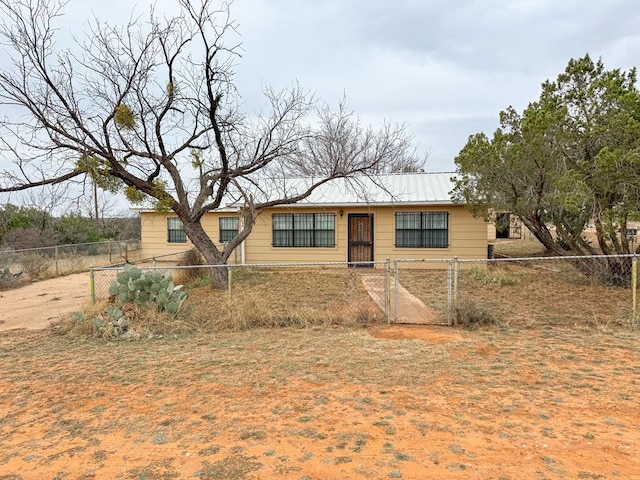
(402, 457)
(9, 280)
(306, 456)
(36, 266)
(472, 315)
(191, 276)
(212, 450)
(456, 466)
(234, 467)
(159, 439)
(455, 448)
(311, 433)
(159, 471)
(254, 434)
(590, 475)
(491, 275)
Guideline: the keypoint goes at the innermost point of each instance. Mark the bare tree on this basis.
(153, 105)
(342, 143)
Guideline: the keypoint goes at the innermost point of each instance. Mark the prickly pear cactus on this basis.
(148, 288)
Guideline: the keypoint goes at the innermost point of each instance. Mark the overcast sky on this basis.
(445, 68)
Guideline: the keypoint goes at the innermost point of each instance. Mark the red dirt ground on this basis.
(409, 402)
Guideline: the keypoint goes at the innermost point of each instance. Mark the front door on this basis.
(361, 238)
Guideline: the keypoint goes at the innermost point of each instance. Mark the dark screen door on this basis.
(361, 239)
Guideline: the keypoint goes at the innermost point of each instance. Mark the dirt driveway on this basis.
(36, 305)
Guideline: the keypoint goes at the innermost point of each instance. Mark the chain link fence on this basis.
(48, 262)
(595, 290)
(598, 290)
(422, 291)
(305, 290)
(584, 290)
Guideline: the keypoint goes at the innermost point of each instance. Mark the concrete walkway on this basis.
(411, 310)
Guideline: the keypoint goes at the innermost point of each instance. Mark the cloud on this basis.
(444, 68)
(437, 64)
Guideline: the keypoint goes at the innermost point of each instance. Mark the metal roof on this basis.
(389, 189)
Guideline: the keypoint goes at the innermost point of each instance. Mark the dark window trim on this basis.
(423, 240)
(295, 236)
(228, 231)
(176, 234)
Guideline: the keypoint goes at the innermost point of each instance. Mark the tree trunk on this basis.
(206, 247)
(95, 203)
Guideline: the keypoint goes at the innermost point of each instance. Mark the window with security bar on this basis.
(175, 232)
(228, 228)
(422, 229)
(304, 229)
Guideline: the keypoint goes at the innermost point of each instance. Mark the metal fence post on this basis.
(456, 271)
(449, 292)
(396, 294)
(229, 275)
(387, 289)
(92, 285)
(634, 284)
(55, 255)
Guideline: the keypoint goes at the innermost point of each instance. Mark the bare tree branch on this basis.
(153, 105)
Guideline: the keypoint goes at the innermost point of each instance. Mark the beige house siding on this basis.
(259, 249)
(154, 234)
(467, 236)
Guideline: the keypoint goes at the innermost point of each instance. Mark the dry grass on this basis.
(94, 322)
(527, 293)
(263, 297)
(260, 297)
(529, 247)
(549, 292)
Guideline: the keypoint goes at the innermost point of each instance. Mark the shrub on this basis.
(30, 237)
(191, 258)
(35, 265)
(472, 315)
(9, 280)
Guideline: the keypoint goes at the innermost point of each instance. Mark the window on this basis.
(422, 230)
(175, 232)
(228, 228)
(304, 230)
